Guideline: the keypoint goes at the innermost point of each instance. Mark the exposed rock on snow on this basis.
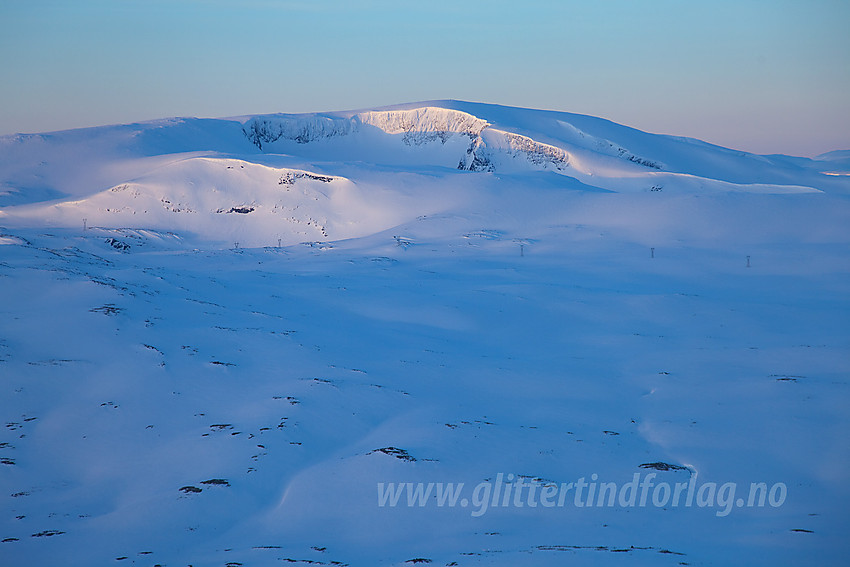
(423, 125)
(661, 466)
(302, 129)
(485, 150)
(290, 177)
(417, 127)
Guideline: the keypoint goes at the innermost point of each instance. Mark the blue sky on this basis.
(760, 75)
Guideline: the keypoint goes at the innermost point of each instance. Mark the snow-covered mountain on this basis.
(221, 340)
(195, 175)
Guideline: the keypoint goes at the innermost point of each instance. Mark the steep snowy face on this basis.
(488, 148)
(497, 149)
(417, 126)
(603, 146)
(424, 125)
(303, 129)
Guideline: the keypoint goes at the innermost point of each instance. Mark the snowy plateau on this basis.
(222, 341)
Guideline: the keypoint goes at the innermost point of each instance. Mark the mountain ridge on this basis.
(68, 176)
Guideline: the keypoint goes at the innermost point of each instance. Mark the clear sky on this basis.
(768, 76)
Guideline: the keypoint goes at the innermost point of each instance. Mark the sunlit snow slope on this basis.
(338, 175)
(218, 337)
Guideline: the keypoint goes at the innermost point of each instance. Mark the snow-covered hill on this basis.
(221, 340)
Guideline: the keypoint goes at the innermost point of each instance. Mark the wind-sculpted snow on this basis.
(166, 400)
(603, 146)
